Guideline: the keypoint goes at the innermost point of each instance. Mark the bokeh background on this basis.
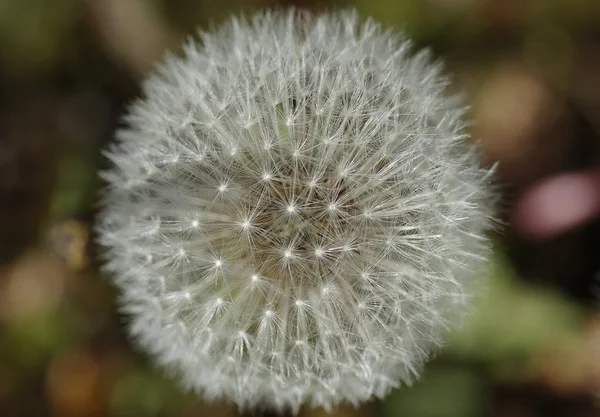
(531, 73)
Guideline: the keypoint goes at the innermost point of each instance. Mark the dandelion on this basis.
(294, 212)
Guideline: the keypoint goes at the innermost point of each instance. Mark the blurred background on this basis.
(531, 73)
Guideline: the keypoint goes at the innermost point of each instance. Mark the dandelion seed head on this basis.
(294, 212)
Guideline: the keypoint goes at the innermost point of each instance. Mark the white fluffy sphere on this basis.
(293, 211)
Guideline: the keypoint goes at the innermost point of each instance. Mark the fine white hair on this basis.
(294, 211)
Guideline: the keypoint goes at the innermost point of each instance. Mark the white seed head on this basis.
(293, 211)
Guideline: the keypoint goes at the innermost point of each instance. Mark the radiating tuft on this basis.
(293, 211)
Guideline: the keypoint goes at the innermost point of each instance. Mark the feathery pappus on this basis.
(294, 211)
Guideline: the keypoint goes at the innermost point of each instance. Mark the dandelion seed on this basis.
(343, 214)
